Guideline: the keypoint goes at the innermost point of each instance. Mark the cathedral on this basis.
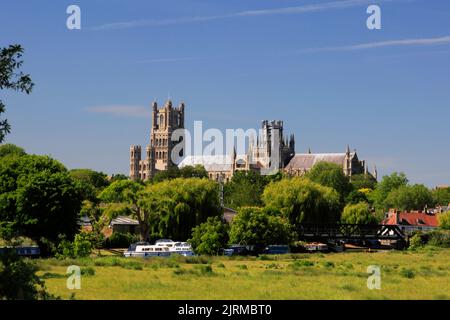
(258, 157)
(165, 121)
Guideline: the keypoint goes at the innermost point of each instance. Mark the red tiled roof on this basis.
(414, 218)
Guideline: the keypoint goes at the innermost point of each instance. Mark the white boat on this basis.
(146, 250)
(161, 248)
(182, 248)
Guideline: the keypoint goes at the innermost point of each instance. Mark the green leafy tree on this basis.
(358, 214)
(168, 209)
(91, 182)
(18, 279)
(245, 189)
(415, 197)
(385, 186)
(12, 78)
(11, 150)
(330, 175)
(260, 227)
(355, 197)
(210, 236)
(197, 171)
(363, 181)
(97, 179)
(118, 176)
(123, 197)
(303, 201)
(39, 199)
(444, 220)
(176, 206)
(441, 196)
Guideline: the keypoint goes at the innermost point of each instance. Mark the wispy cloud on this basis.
(264, 12)
(121, 110)
(380, 44)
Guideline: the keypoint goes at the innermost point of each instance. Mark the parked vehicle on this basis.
(30, 251)
(276, 249)
(316, 247)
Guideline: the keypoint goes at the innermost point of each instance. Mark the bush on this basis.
(209, 237)
(18, 279)
(437, 238)
(407, 273)
(416, 241)
(89, 271)
(80, 247)
(120, 240)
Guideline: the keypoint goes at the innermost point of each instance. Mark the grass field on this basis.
(423, 274)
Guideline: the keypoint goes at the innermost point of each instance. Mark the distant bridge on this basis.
(330, 232)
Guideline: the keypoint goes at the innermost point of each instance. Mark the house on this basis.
(123, 224)
(412, 221)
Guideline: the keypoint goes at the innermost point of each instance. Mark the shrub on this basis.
(407, 273)
(328, 264)
(79, 248)
(209, 237)
(120, 240)
(89, 271)
(416, 241)
(206, 270)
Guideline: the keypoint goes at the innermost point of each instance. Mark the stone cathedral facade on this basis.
(165, 121)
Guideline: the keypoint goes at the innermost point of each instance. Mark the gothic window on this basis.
(161, 120)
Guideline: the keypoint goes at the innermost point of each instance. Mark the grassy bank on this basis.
(423, 274)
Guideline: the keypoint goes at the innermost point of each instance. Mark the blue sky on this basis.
(313, 64)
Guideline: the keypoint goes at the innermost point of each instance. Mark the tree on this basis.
(39, 199)
(210, 236)
(97, 179)
(260, 227)
(444, 220)
(197, 171)
(415, 197)
(176, 206)
(385, 186)
(118, 176)
(18, 279)
(168, 209)
(91, 182)
(123, 197)
(358, 214)
(303, 201)
(362, 181)
(356, 196)
(441, 196)
(330, 175)
(245, 189)
(9, 149)
(12, 78)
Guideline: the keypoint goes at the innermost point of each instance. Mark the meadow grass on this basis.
(404, 275)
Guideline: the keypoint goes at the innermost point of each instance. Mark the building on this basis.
(412, 221)
(221, 168)
(261, 152)
(349, 161)
(258, 157)
(165, 121)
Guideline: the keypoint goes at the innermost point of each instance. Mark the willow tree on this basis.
(303, 201)
(168, 209)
